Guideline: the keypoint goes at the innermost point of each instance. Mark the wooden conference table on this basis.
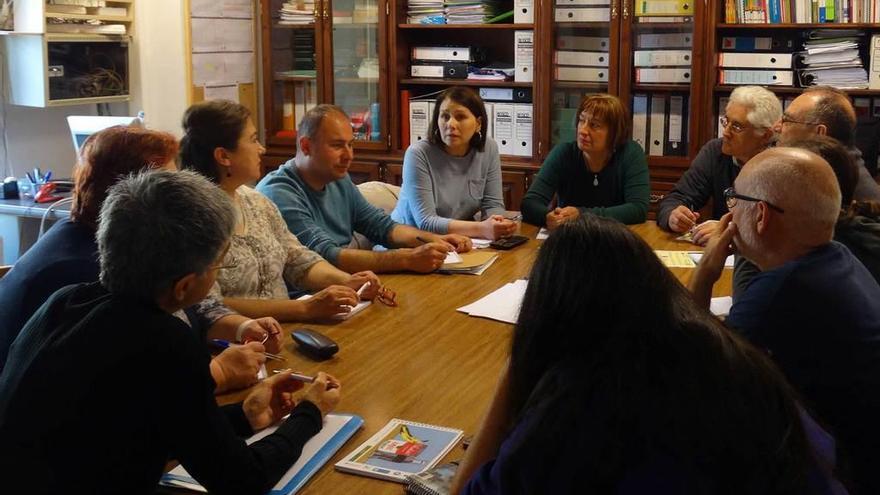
(423, 360)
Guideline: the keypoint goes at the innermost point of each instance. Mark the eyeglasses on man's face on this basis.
(731, 197)
(736, 127)
(788, 119)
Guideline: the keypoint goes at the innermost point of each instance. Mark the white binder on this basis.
(662, 58)
(603, 3)
(676, 120)
(588, 59)
(584, 14)
(658, 125)
(503, 116)
(664, 40)
(644, 75)
(524, 54)
(523, 12)
(522, 124)
(640, 120)
(583, 74)
(418, 121)
(449, 53)
(874, 57)
(487, 126)
(759, 60)
(756, 77)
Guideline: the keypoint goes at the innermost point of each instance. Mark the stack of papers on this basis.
(296, 12)
(470, 11)
(426, 12)
(501, 305)
(831, 58)
(471, 263)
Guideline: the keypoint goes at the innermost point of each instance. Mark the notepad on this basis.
(452, 258)
(400, 449)
(675, 259)
(343, 316)
(543, 234)
(337, 429)
(501, 304)
(720, 306)
(472, 263)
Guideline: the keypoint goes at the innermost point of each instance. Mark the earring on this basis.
(480, 133)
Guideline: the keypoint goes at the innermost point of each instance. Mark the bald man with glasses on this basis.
(814, 307)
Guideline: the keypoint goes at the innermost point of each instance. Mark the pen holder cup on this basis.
(25, 188)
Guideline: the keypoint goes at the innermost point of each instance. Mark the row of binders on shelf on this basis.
(827, 57)
(663, 58)
(660, 123)
(600, 10)
(581, 58)
(466, 62)
(800, 11)
(509, 118)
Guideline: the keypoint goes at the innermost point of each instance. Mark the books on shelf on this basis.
(455, 12)
(296, 12)
(831, 58)
(801, 11)
(660, 123)
(400, 449)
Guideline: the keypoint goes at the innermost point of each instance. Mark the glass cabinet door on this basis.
(357, 52)
(583, 59)
(291, 82)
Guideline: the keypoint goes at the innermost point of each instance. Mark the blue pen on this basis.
(225, 344)
(47, 177)
(30, 177)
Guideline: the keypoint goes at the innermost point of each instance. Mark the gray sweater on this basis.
(438, 187)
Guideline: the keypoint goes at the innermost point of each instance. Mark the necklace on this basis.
(595, 180)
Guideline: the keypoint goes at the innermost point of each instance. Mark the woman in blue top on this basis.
(455, 174)
(619, 384)
(603, 172)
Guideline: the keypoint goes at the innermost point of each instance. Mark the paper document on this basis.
(343, 316)
(502, 305)
(543, 234)
(337, 429)
(471, 263)
(480, 243)
(728, 262)
(262, 373)
(720, 306)
(451, 258)
(676, 259)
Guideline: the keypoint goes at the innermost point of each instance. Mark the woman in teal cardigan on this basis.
(603, 172)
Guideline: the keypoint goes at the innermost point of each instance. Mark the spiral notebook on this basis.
(400, 449)
(337, 429)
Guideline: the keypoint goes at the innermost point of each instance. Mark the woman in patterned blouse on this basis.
(221, 143)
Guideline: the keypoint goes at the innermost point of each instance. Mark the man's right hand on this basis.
(497, 227)
(331, 301)
(324, 392)
(427, 257)
(237, 366)
(683, 219)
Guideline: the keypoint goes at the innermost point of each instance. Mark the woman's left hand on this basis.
(270, 400)
(357, 280)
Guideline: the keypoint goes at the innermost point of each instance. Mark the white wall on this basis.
(40, 137)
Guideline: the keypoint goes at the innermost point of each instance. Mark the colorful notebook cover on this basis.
(400, 449)
(338, 428)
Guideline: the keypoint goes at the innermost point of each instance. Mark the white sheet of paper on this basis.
(502, 304)
(262, 374)
(239, 9)
(205, 36)
(543, 234)
(209, 69)
(720, 306)
(222, 93)
(696, 256)
(205, 8)
(239, 67)
(480, 243)
(452, 257)
(675, 259)
(235, 35)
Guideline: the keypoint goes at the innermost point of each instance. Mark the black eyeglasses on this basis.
(787, 119)
(736, 127)
(730, 197)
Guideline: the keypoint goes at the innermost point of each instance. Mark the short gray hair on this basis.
(764, 107)
(156, 227)
(312, 119)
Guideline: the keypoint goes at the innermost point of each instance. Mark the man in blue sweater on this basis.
(323, 208)
(814, 307)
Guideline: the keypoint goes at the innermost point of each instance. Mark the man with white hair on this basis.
(748, 129)
(814, 307)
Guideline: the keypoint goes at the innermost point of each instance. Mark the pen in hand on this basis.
(223, 344)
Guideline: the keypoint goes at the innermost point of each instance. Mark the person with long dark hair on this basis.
(619, 383)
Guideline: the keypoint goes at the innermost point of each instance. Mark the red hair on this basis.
(109, 155)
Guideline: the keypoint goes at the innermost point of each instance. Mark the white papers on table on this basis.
(502, 305)
(452, 257)
(343, 316)
(480, 243)
(542, 234)
(720, 306)
(317, 451)
(696, 256)
(675, 259)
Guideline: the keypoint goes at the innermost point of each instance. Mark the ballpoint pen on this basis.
(224, 344)
(297, 376)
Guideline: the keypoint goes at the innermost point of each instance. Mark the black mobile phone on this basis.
(508, 242)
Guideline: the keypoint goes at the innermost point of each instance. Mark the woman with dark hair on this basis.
(455, 174)
(602, 172)
(221, 143)
(656, 397)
